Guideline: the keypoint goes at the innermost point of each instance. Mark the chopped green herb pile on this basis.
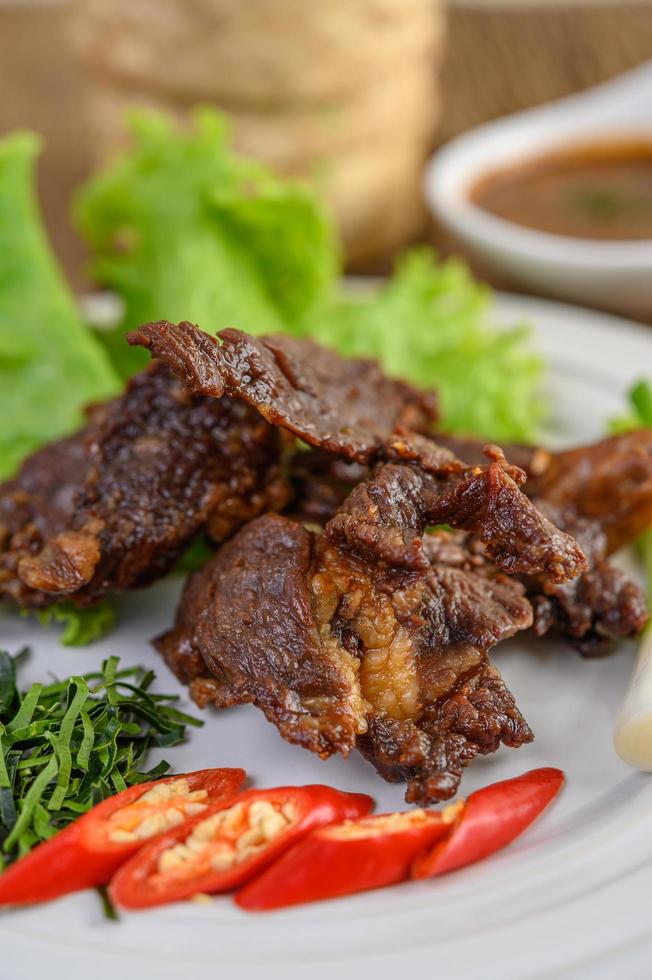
(67, 745)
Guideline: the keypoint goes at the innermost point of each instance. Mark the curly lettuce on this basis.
(184, 229)
(50, 363)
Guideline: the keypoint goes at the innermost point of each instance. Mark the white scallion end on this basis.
(633, 728)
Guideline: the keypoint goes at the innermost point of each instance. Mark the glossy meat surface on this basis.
(599, 606)
(370, 635)
(609, 482)
(35, 505)
(339, 655)
(163, 465)
(601, 494)
(385, 516)
(348, 407)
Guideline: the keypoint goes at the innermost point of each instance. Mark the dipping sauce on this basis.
(598, 191)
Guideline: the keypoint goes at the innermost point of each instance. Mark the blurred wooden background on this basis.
(498, 57)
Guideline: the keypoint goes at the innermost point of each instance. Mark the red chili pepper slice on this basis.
(492, 818)
(88, 852)
(345, 858)
(229, 843)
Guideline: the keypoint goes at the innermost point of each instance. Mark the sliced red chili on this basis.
(491, 819)
(228, 844)
(88, 852)
(350, 857)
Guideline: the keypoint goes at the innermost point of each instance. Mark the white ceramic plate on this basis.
(570, 899)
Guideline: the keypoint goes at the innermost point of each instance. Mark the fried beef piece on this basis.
(602, 495)
(366, 636)
(533, 460)
(384, 517)
(340, 655)
(609, 482)
(259, 637)
(321, 482)
(596, 608)
(35, 506)
(163, 466)
(348, 407)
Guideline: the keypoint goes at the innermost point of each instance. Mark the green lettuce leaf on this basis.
(81, 626)
(184, 229)
(50, 363)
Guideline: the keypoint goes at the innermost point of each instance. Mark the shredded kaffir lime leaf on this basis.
(67, 745)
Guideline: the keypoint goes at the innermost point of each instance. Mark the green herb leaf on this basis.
(8, 692)
(107, 905)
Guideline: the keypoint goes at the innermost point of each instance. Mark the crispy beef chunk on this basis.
(601, 494)
(36, 505)
(609, 482)
(163, 465)
(531, 459)
(365, 636)
(321, 482)
(384, 517)
(348, 407)
(340, 655)
(259, 637)
(597, 607)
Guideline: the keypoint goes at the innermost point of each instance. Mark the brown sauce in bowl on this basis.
(598, 191)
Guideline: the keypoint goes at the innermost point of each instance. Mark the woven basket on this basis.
(343, 93)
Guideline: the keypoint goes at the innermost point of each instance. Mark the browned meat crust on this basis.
(609, 482)
(602, 495)
(365, 635)
(596, 608)
(384, 517)
(36, 505)
(345, 406)
(339, 654)
(533, 460)
(474, 719)
(321, 482)
(163, 466)
(260, 638)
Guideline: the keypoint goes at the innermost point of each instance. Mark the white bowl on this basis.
(615, 274)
